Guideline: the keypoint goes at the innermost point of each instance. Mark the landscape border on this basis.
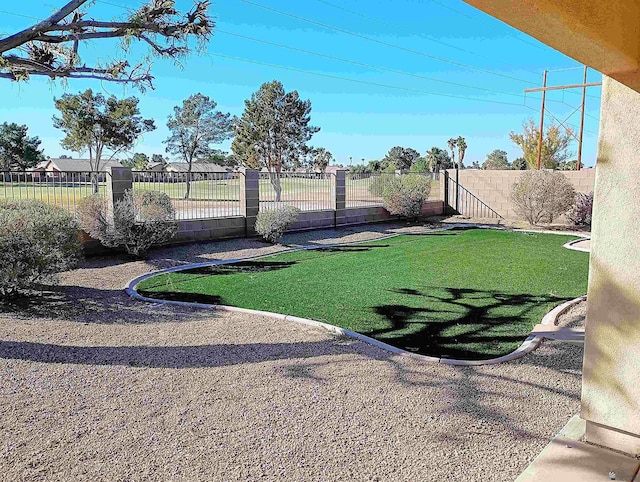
(532, 342)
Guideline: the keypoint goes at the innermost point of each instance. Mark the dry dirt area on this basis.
(95, 386)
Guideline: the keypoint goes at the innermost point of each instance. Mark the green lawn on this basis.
(460, 294)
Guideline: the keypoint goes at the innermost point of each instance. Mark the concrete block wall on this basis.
(193, 230)
(207, 229)
(494, 187)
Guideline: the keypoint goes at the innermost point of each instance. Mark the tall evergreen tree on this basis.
(18, 151)
(273, 132)
(194, 127)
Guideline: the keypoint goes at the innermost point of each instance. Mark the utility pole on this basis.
(584, 98)
(544, 96)
(543, 109)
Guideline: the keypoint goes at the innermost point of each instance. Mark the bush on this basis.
(37, 241)
(542, 196)
(140, 220)
(405, 195)
(271, 225)
(378, 183)
(580, 213)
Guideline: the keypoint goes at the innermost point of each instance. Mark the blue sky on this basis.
(362, 111)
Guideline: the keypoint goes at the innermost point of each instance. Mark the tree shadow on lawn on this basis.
(241, 267)
(463, 323)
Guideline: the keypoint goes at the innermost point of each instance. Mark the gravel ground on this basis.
(98, 387)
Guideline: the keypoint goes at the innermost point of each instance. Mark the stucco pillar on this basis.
(119, 180)
(611, 377)
(338, 196)
(250, 199)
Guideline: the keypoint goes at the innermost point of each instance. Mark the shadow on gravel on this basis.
(91, 305)
(460, 323)
(167, 356)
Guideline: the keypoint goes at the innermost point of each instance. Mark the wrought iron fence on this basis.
(365, 189)
(306, 191)
(462, 201)
(198, 195)
(62, 189)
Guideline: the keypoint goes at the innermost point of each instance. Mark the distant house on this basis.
(155, 166)
(60, 168)
(333, 169)
(198, 169)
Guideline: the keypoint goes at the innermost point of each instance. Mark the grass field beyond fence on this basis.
(472, 294)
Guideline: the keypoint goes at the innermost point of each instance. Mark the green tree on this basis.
(320, 158)
(374, 166)
(568, 165)
(475, 165)
(95, 124)
(140, 161)
(459, 144)
(452, 143)
(18, 151)
(519, 164)
(555, 145)
(496, 160)
(51, 48)
(400, 157)
(438, 159)
(420, 165)
(273, 131)
(193, 127)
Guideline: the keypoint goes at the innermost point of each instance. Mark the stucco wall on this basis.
(494, 187)
(611, 388)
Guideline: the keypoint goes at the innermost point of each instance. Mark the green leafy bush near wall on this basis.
(271, 225)
(37, 241)
(405, 195)
(139, 221)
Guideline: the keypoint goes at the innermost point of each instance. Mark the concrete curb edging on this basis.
(571, 245)
(532, 342)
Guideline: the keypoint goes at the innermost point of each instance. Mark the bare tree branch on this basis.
(28, 34)
(51, 47)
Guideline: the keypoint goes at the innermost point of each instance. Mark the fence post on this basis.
(457, 187)
(118, 180)
(250, 200)
(338, 196)
(445, 190)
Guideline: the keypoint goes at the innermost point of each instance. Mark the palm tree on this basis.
(462, 148)
(452, 146)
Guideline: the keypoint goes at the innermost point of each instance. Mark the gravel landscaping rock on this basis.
(96, 386)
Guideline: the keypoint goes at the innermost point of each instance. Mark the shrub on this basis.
(139, 220)
(378, 183)
(405, 195)
(271, 225)
(37, 241)
(580, 213)
(542, 196)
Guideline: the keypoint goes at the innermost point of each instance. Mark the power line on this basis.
(384, 22)
(20, 15)
(449, 7)
(376, 84)
(381, 42)
(361, 64)
(353, 62)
